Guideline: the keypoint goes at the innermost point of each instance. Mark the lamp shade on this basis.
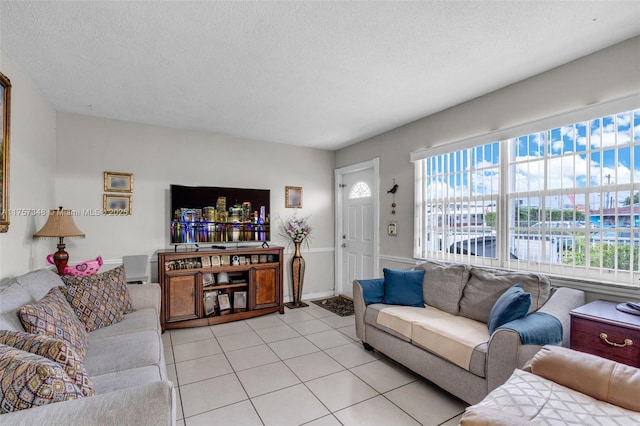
(59, 224)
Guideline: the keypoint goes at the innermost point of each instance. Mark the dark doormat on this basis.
(338, 305)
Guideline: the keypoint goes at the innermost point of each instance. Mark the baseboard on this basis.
(311, 296)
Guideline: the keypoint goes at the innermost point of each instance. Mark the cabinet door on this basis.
(182, 301)
(266, 284)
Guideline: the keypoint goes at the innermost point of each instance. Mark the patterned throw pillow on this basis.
(28, 380)
(53, 349)
(53, 316)
(95, 306)
(113, 278)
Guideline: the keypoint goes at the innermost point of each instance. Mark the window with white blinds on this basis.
(562, 201)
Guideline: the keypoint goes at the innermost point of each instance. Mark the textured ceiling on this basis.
(315, 74)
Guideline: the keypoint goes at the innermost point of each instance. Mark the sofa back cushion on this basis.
(39, 282)
(443, 284)
(486, 285)
(12, 298)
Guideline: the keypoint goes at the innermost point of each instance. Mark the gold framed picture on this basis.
(118, 182)
(116, 204)
(5, 115)
(293, 197)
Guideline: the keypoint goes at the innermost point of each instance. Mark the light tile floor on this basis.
(304, 367)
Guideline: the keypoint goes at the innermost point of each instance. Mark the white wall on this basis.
(32, 162)
(159, 157)
(605, 75)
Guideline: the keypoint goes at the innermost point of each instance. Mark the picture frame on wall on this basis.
(293, 197)
(116, 204)
(5, 119)
(118, 182)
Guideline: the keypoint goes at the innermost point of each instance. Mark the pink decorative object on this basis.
(82, 269)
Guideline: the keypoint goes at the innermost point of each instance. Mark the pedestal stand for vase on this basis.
(297, 278)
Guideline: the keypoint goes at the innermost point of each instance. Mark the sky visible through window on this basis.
(570, 199)
(604, 151)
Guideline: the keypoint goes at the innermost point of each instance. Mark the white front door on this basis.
(357, 225)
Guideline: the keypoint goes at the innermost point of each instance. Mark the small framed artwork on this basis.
(240, 300)
(208, 279)
(223, 301)
(116, 204)
(210, 302)
(293, 197)
(118, 182)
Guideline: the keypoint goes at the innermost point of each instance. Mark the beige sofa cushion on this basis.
(443, 284)
(486, 285)
(453, 339)
(401, 318)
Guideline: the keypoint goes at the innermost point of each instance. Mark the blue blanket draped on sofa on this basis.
(538, 328)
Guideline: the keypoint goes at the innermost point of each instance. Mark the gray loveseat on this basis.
(125, 362)
(448, 341)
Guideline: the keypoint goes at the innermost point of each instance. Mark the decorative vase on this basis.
(297, 276)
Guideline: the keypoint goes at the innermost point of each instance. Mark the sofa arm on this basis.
(151, 404)
(506, 351)
(365, 292)
(562, 301)
(145, 296)
(359, 306)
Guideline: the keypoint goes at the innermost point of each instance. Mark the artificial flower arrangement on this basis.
(297, 229)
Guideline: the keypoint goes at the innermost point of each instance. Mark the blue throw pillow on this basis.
(403, 287)
(513, 304)
(372, 290)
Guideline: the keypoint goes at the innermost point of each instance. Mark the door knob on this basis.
(343, 245)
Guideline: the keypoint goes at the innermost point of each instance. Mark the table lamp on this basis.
(59, 225)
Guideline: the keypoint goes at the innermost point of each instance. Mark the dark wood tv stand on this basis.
(185, 274)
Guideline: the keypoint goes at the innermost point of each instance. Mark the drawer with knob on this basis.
(600, 329)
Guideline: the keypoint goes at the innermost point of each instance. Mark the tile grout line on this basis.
(329, 321)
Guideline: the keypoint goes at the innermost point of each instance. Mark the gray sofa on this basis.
(125, 362)
(448, 341)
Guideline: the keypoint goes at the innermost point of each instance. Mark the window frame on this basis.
(504, 136)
